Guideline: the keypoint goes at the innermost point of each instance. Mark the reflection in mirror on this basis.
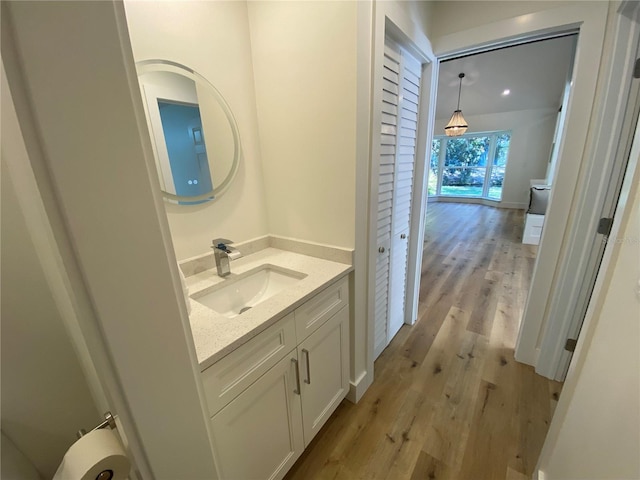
(194, 135)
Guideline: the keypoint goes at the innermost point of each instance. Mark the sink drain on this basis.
(242, 310)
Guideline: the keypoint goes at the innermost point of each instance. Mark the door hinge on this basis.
(570, 345)
(604, 226)
(636, 69)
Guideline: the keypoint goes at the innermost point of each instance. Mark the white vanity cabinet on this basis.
(270, 396)
(259, 434)
(324, 368)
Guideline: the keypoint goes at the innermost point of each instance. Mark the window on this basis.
(469, 165)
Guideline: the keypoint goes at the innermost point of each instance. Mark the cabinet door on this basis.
(324, 369)
(259, 434)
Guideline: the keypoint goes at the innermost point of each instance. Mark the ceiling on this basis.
(535, 73)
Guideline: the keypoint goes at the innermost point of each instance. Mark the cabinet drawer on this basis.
(227, 378)
(312, 314)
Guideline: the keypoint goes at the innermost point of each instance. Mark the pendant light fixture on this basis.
(457, 125)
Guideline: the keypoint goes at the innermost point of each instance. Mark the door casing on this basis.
(598, 198)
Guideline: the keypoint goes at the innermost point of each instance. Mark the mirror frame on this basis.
(159, 65)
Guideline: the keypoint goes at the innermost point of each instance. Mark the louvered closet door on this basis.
(400, 96)
(403, 191)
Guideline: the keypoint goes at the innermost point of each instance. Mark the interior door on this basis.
(403, 190)
(398, 129)
(388, 137)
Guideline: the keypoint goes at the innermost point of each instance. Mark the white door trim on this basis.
(361, 336)
(607, 157)
(52, 245)
(426, 121)
(104, 185)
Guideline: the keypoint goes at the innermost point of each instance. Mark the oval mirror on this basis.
(194, 136)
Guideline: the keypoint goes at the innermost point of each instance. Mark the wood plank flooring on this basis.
(449, 401)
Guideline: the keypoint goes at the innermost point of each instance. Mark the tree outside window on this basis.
(469, 165)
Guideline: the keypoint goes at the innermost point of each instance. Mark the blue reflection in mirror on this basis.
(182, 128)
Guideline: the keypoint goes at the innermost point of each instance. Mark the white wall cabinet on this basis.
(268, 401)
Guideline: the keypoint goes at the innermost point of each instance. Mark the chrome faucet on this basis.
(223, 254)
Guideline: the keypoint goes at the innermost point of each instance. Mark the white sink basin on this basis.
(239, 293)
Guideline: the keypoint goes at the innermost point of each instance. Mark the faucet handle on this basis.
(220, 241)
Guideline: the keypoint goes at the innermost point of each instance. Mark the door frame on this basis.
(112, 246)
(611, 145)
(60, 268)
(388, 22)
(590, 21)
(576, 374)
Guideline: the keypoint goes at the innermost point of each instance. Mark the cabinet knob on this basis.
(381, 249)
(403, 236)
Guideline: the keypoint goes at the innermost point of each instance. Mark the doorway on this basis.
(510, 100)
(571, 150)
(590, 173)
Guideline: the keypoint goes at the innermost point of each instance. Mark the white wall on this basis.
(14, 463)
(447, 17)
(213, 39)
(596, 430)
(45, 397)
(413, 18)
(304, 59)
(313, 64)
(529, 150)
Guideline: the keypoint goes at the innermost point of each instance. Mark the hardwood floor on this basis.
(449, 401)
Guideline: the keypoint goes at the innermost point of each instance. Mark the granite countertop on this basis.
(216, 335)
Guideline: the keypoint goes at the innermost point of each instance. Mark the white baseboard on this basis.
(359, 387)
(478, 201)
(515, 205)
(528, 358)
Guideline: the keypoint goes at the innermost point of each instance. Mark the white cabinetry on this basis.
(270, 396)
(324, 368)
(259, 434)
